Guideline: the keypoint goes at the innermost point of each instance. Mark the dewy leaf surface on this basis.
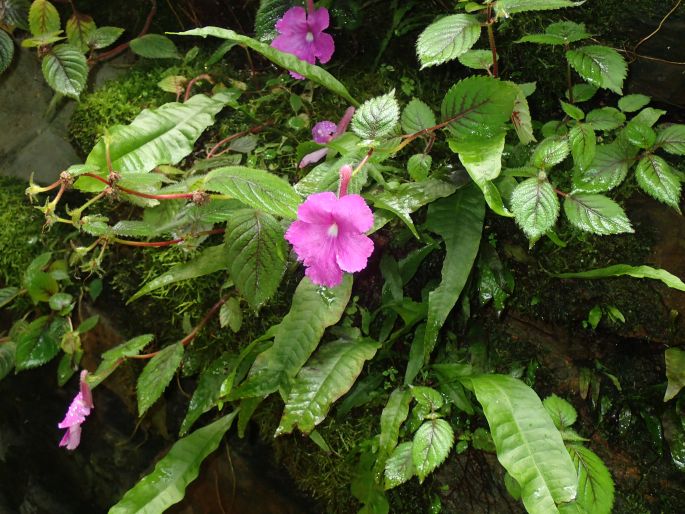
(528, 444)
(447, 39)
(601, 66)
(606, 171)
(431, 446)
(656, 178)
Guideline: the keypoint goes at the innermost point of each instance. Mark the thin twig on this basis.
(189, 87)
(230, 138)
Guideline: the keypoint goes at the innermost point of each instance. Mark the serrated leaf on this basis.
(79, 29)
(479, 107)
(6, 50)
(477, 59)
(427, 397)
(672, 139)
(7, 294)
(16, 13)
(562, 412)
(256, 188)
(573, 111)
(550, 152)
(65, 70)
(313, 310)
(605, 172)
(154, 46)
(417, 116)
(605, 118)
(399, 468)
(655, 177)
(504, 8)
(521, 119)
(39, 343)
(596, 214)
(394, 414)
(601, 66)
(618, 270)
(7, 356)
(535, 207)
(595, 486)
(560, 33)
(328, 375)
(675, 372)
(230, 315)
(268, 13)
(102, 37)
(157, 375)
(632, 103)
(431, 446)
(43, 17)
(582, 92)
(419, 166)
(458, 219)
(376, 118)
(257, 254)
(166, 484)
(583, 145)
(447, 39)
(528, 444)
(639, 134)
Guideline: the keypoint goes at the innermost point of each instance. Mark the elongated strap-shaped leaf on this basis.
(167, 483)
(394, 414)
(431, 446)
(287, 61)
(595, 486)
(458, 219)
(504, 8)
(65, 69)
(313, 310)
(6, 50)
(43, 18)
(601, 66)
(157, 375)
(160, 136)
(528, 444)
(447, 39)
(257, 188)
(656, 178)
(535, 207)
(605, 172)
(597, 214)
(618, 270)
(329, 374)
(256, 252)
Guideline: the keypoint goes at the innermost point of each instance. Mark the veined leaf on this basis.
(43, 17)
(268, 13)
(595, 487)
(574, 112)
(154, 46)
(102, 37)
(504, 8)
(111, 358)
(550, 152)
(648, 116)
(458, 219)
(675, 371)
(582, 92)
(672, 139)
(562, 412)
(230, 315)
(655, 177)
(287, 61)
(431, 446)
(394, 414)
(632, 103)
(418, 166)
(417, 116)
(7, 294)
(376, 118)
(477, 59)
(447, 39)
(8, 351)
(399, 468)
(618, 270)
(478, 107)
(65, 69)
(535, 207)
(39, 343)
(605, 118)
(521, 119)
(583, 145)
(167, 483)
(16, 13)
(596, 214)
(328, 375)
(157, 375)
(256, 252)
(6, 50)
(601, 66)
(313, 310)
(640, 134)
(43, 40)
(482, 158)
(560, 33)
(605, 172)
(528, 444)
(79, 29)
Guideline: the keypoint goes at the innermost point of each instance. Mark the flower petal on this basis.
(324, 47)
(294, 21)
(352, 214)
(72, 438)
(296, 45)
(318, 208)
(318, 20)
(353, 251)
(313, 157)
(323, 131)
(325, 272)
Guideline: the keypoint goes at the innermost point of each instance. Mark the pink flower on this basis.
(78, 410)
(302, 34)
(324, 132)
(329, 236)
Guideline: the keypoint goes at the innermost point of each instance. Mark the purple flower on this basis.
(78, 411)
(322, 133)
(329, 236)
(302, 34)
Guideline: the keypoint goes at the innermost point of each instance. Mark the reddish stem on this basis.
(252, 130)
(310, 7)
(169, 196)
(122, 47)
(189, 87)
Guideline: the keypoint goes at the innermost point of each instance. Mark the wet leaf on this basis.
(675, 372)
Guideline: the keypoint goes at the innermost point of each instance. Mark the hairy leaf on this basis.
(166, 484)
(417, 116)
(268, 13)
(583, 145)
(672, 139)
(447, 39)
(656, 178)
(675, 371)
(618, 270)
(431, 446)
(8, 351)
(607, 170)
(595, 486)
(399, 468)
(632, 103)
(562, 412)
(154, 46)
(43, 18)
(504, 8)
(596, 214)
(601, 66)
(376, 118)
(550, 152)
(65, 70)
(6, 50)
(528, 444)
(535, 207)
(157, 375)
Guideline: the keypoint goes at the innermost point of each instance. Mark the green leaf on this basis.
(601, 66)
(427, 397)
(79, 29)
(328, 375)
(447, 39)
(535, 207)
(574, 112)
(648, 116)
(65, 70)
(521, 119)
(43, 40)
(595, 487)
(161, 136)
(477, 59)
(210, 261)
(88, 324)
(458, 219)
(376, 118)
(583, 145)
(605, 118)
(605, 172)
(582, 92)
(257, 254)
(478, 106)
(60, 301)
(6, 50)
(632, 103)
(8, 351)
(528, 444)
(640, 134)
(431, 446)
(562, 412)
(596, 214)
(394, 414)
(550, 152)
(399, 468)
(166, 484)
(504, 8)
(39, 343)
(560, 33)
(256, 188)
(230, 315)
(675, 371)
(419, 166)
(268, 13)
(43, 17)
(287, 61)
(417, 116)
(656, 178)
(618, 270)
(481, 158)
(313, 310)
(102, 37)
(672, 139)
(157, 375)
(16, 13)
(154, 46)
(7, 294)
